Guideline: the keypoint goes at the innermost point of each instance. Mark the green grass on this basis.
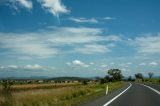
(152, 80)
(63, 96)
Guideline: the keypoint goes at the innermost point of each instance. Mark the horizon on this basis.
(60, 38)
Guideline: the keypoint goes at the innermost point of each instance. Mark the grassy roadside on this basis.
(155, 81)
(111, 87)
(62, 96)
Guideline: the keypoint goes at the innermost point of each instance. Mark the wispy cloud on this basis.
(35, 45)
(142, 64)
(26, 67)
(72, 35)
(108, 18)
(26, 45)
(92, 49)
(149, 44)
(153, 63)
(83, 20)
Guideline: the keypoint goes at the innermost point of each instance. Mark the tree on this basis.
(139, 76)
(150, 74)
(115, 74)
(129, 78)
(107, 78)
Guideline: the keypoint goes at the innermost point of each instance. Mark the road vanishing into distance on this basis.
(132, 95)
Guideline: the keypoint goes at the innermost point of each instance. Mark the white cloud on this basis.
(77, 63)
(91, 63)
(23, 3)
(112, 63)
(26, 67)
(123, 65)
(104, 66)
(48, 43)
(79, 35)
(129, 63)
(54, 6)
(13, 66)
(84, 20)
(149, 44)
(2, 67)
(153, 63)
(36, 66)
(108, 18)
(26, 3)
(143, 64)
(26, 45)
(92, 49)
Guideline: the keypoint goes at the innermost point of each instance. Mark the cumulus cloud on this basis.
(54, 6)
(149, 44)
(153, 63)
(83, 20)
(77, 63)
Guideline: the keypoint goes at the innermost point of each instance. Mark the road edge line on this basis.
(152, 89)
(106, 104)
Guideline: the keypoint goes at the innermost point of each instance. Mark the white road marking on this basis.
(107, 90)
(117, 96)
(151, 89)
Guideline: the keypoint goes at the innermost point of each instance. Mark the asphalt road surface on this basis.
(132, 95)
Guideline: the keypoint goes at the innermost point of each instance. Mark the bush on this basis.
(102, 81)
(7, 94)
(84, 82)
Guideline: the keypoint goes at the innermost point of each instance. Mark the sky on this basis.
(83, 38)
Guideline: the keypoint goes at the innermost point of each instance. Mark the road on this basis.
(132, 95)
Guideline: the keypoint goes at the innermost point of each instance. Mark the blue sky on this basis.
(79, 37)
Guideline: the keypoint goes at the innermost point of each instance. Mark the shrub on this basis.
(7, 94)
(102, 81)
(84, 82)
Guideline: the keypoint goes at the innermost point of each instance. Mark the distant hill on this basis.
(69, 78)
(47, 78)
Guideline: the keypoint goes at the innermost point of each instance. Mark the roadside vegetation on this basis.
(139, 78)
(58, 94)
(66, 95)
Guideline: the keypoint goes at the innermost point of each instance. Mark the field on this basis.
(70, 94)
